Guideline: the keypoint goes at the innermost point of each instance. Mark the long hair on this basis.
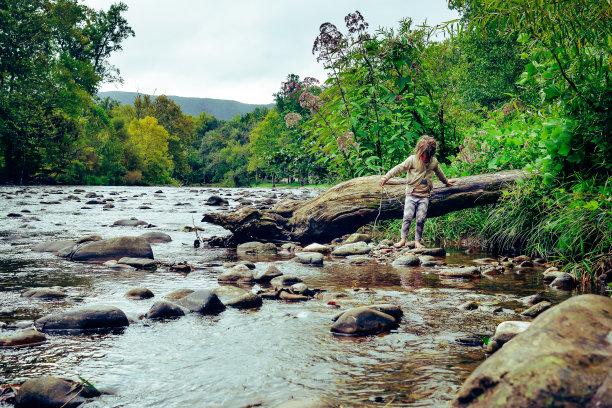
(426, 146)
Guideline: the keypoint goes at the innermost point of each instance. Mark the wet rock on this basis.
(156, 237)
(460, 272)
(429, 251)
(552, 275)
(471, 305)
(564, 281)
(248, 264)
(14, 215)
(114, 248)
(53, 246)
(139, 263)
(385, 243)
(360, 260)
(533, 299)
(521, 258)
(47, 294)
(539, 261)
(202, 301)
(426, 258)
(358, 248)
(536, 309)
(406, 260)
(130, 222)
(485, 261)
(301, 289)
(309, 258)
(430, 264)
(563, 359)
(257, 248)
(228, 293)
(216, 200)
(51, 392)
(284, 281)
(505, 332)
(24, 338)
(267, 275)
(178, 294)
(92, 318)
(247, 301)
(358, 238)
(314, 247)
(470, 341)
(361, 321)
(507, 264)
(113, 264)
(182, 267)
(493, 270)
(291, 297)
(526, 264)
(238, 274)
(164, 310)
(88, 238)
(139, 293)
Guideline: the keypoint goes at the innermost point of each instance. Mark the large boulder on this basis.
(156, 237)
(130, 222)
(24, 338)
(239, 274)
(114, 248)
(202, 301)
(563, 359)
(51, 392)
(53, 246)
(266, 276)
(92, 318)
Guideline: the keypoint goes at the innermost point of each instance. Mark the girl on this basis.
(420, 168)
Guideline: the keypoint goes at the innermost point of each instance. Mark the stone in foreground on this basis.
(357, 248)
(92, 318)
(164, 310)
(564, 359)
(362, 321)
(24, 338)
(51, 392)
(309, 258)
(467, 272)
(114, 248)
(202, 301)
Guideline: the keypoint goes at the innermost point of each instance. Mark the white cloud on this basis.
(239, 49)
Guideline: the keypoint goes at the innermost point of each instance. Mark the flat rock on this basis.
(291, 297)
(92, 318)
(47, 294)
(536, 309)
(139, 293)
(114, 248)
(358, 238)
(314, 247)
(51, 392)
(53, 246)
(130, 222)
(284, 281)
(228, 293)
(406, 260)
(178, 294)
(357, 248)
(309, 258)
(202, 301)
(266, 276)
(156, 237)
(246, 301)
(465, 272)
(237, 275)
(564, 281)
(140, 263)
(24, 338)
(532, 299)
(362, 321)
(563, 359)
(164, 310)
(307, 403)
(429, 251)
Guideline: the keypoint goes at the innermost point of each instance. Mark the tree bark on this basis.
(349, 205)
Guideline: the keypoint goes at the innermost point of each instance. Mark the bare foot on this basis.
(400, 244)
(417, 244)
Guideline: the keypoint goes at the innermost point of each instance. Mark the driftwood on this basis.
(349, 205)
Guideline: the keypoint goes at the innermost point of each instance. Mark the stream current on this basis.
(261, 357)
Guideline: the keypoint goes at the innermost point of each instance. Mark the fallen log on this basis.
(349, 205)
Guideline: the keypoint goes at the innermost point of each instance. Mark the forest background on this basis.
(513, 84)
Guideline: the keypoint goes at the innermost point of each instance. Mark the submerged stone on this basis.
(92, 318)
(361, 321)
(24, 338)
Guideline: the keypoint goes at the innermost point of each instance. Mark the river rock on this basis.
(551, 275)
(216, 200)
(54, 246)
(51, 392)
(564, 281)
(257, 248)
(178, 294)
(248, 264)
(358, 238)
(228, 293)
(357, 248)
(362, 321)
(114, 248)
(536, 309)
(92, 318)
(306, 403)
(471, 305)
(284, 281)
(130, 222)
(460, 272)
(47, 294)
(505, 332)
(24, 338)
(429, 251)
(521, 258)
(202, 301)
(247, 301)
(266, 276)
(314, 247)
(139, 293)
(238, 274)
(309, 258)
(526, 264)
(533, 299)
(156, 237)
(291, 297)
(485, 261)
(164, 310)
(563, 359)
(139, 263)
(406, 260)
(301, 289)
(426, 258)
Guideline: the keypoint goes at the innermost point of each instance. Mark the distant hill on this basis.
(219, 108)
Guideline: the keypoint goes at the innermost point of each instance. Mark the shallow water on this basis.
(237, 358)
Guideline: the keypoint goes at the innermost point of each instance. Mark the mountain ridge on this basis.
(224, 109)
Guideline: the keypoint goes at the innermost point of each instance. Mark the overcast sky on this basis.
(239, 49)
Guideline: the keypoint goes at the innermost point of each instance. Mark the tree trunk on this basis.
(347, 206)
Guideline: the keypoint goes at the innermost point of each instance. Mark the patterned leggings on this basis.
(415, 205)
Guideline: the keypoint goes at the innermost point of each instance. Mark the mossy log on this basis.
(349, 205)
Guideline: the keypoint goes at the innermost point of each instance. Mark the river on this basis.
(260, 357)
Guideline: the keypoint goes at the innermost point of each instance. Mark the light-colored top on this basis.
(416, 172)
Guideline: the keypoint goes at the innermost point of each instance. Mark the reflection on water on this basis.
(238, 358)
